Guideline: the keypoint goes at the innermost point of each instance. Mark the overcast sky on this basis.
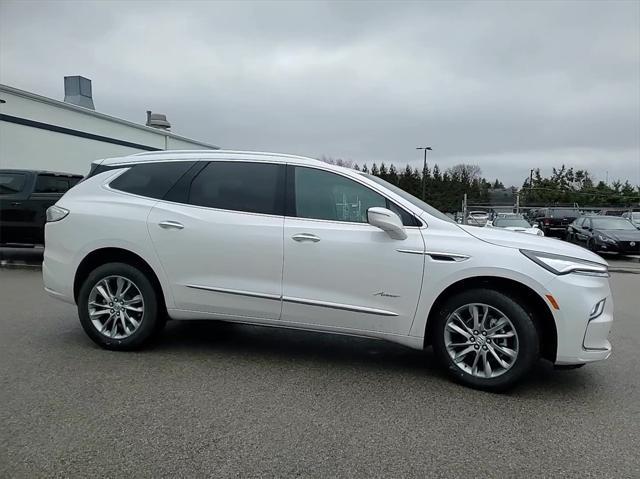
(505, 85)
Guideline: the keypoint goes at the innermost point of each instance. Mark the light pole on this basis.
(424, 170)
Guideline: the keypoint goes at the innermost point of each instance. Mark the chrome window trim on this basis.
(125, 167)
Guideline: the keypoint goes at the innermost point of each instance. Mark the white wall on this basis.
(26, 147)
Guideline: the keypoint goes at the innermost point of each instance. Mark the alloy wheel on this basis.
(481, 340)
(116, 307)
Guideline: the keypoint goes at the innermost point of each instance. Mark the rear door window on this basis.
(12, 183)
(152, 180)
(240, 186)
(51, 184)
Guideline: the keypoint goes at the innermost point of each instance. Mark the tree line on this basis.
(446, 188)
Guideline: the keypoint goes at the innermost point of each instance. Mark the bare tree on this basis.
(465, 172)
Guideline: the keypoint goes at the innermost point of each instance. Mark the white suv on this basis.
(287, 241)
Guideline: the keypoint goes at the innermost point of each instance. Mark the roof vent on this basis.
(77, 91)
(157, 120)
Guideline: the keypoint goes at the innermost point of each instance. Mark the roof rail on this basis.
(221, 152)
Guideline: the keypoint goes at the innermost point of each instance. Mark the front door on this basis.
(220, 242)
(339, 271)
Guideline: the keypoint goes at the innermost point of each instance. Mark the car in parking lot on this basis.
(477, 218)
(287, 241)
(605, 234)
(554, 221)
(515, 222)
(633, 216)
(25, 196)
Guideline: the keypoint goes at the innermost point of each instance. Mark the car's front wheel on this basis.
(485, 339)
(118, 307)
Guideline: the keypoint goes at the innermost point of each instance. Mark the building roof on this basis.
(93, 113)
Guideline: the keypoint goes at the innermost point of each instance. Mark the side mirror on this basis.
(584, 227)
(387, 221)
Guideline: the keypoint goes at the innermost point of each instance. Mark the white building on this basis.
(40, 133)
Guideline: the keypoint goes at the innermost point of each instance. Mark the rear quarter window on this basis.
(152, 180)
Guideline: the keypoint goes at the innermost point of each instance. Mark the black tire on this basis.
(527, 334)
(153, 318)
(591, 246)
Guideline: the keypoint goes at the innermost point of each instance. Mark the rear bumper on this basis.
(58, 272)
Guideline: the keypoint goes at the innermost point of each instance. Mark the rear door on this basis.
(14, 216)
(218, 234)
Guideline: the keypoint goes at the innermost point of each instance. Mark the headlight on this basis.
(56, 213)
(606, 239)
(559, 264)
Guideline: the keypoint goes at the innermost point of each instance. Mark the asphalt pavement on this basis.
(220, 400)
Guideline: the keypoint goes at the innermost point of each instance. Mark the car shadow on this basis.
(291, 345)
(311, 349)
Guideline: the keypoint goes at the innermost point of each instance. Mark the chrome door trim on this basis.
(291, 299)
(437, 255)
(237, 292)
(341, 306)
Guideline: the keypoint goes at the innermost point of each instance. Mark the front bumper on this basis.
(622, 247)
(581, 337)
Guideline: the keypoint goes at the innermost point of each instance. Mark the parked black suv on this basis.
(25, 196)
(554, 221)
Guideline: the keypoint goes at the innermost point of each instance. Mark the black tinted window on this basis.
(240, 186)
(11, 183)
(51, 184)
(563, 212)
(151, 179)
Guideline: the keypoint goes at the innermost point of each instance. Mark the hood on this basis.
(511, 239)
(620, 235)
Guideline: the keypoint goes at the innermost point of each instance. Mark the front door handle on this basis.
(171, 225)
(16, 203)
(305, 237)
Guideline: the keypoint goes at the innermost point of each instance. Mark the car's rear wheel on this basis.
(118, 307)
(485, 339)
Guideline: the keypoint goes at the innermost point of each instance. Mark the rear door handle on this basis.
(171, 225)
(305, 237)
(16, 203)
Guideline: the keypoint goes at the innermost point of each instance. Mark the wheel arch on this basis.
(102, 256)
(536, 306)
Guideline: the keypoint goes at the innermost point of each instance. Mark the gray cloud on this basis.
(508, 86)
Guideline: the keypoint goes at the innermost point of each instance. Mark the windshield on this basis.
(612, 224)
(410, 198)
(510, 222)
(562, 212)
